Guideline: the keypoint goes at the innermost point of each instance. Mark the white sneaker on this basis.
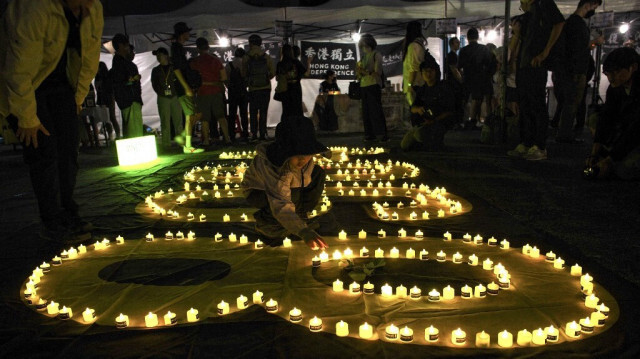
(536, 154)
(519, 151)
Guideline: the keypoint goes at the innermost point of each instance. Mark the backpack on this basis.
(236, 84)
(258, 71)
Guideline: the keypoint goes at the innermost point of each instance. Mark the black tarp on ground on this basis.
(546, 201)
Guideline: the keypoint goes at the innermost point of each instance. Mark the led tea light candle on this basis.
(354, 288)
(483, 339)
(342, 235)
(232, 237)
(391, 332)
(457, 258)
(386, 291)
(382, 234)
(441, 256)
(179, 236)
(434, 296)
(406, 335)
(53, 308)
(324, 257)
(258, 244)
(603, 309)
(505, 339)
(379, 253)
(480, 291)
(368, 288)
(425, 214)
(587, 289)
(576, 270)
(598, 319)
(558, 263)
(286, 243)
(492, 242)
(504, 244)
(46, 267)
(65, 313)
(352, 193)
(415, 293)
(295, 315)
(364, 252)
(431, 334)
(348, 253)
(190, 216)
(394, 253)
(419, 234)
(40, 304)
(365, 331)
(458, 337)
(498, 268)
(524, 338)
(473, 260)
(586, 326)
(402, 233)
(466, 292)
(466, 238)
(362, 234)
(192, 315)
(271, 306)
(401, 291)
(410, 254)
(315, 261)
(504, 282)
(424, 255)
(338, 286)
(122, 321)
(448, 293)
(550, 257)
(151, 320)
(337, 255)
(73, 253)
(585, 279)
(258, 297)
(342, 329)
(572, 330)
(534, 252)
(413, 216)
(315, 324)
(226, 218)
(526, 249)
(441, 213)
(539, 337)
(447, 236)
(591, 301)
(478, 239)
(56, 261)
(552, 334)
(89, 315)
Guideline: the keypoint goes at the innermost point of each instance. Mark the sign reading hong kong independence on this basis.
(340, 58)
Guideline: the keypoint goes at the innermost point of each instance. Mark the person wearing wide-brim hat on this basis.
(285, 184)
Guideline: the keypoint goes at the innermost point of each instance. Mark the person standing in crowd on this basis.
(369, 72)
(434, 110)
(51, 51)
(186, 79)
(104, 89)
(616, 146)
(412, 56)
(237, 91)
(126, 87)
(453, 76)
(477, 64)
(164, 83)
(258, 70)
(573, 72)
(210, 97)
(327, 117)
(290, 71)
(285, 185)
(540, 28)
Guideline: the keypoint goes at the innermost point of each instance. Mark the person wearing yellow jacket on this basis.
(50, 55)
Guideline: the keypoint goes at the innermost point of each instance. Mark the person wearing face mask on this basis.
(573, 74)
(284, 184)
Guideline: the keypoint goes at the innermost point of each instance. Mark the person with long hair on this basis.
(369, 72)
(412, 56)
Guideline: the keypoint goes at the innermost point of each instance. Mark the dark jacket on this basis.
(163, 78)
(125, 92)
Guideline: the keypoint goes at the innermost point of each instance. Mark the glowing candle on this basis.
(604, 310)
(431, 334)
(504, 282)
(286, 243)
(354, 288)
(342, 329)
(448, 293)
(466, 238)
(362, 234)
(480, 291)
(441, 256)
(504, 244)
(394, 216)
(425, 214)
(192, 315)
(324, 257)
(382, 234)
(598, 319)
(386, 290)
(413, 216)
(473, 260)
(440, 213)
(244, 240)
(524, 338)
(526, 249)
(415, 293)
(65, 313)
(89, 315)
(364, 252)
(179, 235)
(539, 337)
(122, 321)
(379, 253)
(572, 330)
(338, 286)
(365, 331)
(368, 288)
(550, 257)
(258, 297)
(151, 320)
(487, 264)
(342, 235)
(226, 218)
(46, 267)
(402, 233)
(315, 324)
(168, 236)
(424, 255)
(483, 339)
(271, 306)
(401, 291)
(394, 253)
(419, 234)
(191, 236)
(337, 255)
(585, 279)
(457, 258)
(576, 270)
(233, 237)
(411, 253)
(434, 296)
(295, 315)
(348, 253)
(258, 244)
(586, 326)
(477, 239)
(492, 242)
(505, 339)
(447, 236)
(73, 253)
(498, 268)
(534, 252)
(315, 261)
(552, 334)
(493, 288)
(190, 216)
(458, 337)
(406, 334)
(591, 301)
(391, 332)
(558, 263)
(466, 292)
(53, 308)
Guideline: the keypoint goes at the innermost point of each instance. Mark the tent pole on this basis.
(505, 68)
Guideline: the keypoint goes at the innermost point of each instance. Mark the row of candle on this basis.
(448, 293)
(237, 155)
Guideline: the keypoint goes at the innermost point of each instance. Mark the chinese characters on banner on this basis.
(226, 53)
(340, 58)
(391, 58)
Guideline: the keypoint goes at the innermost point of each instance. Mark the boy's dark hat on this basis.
(180, 28)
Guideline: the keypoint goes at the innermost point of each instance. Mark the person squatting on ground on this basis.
(434, 110)
(369, 72)
(210, 96)
(616, 146)
(126, 87)
(285, 185)
(186, 78)
(50, 54)
(164, 83)
(258, 70)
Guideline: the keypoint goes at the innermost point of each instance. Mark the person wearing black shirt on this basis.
(433, 112)
(126, 87)
(573, 73)
(164, 83)
(290, 70)
(328, 120)
(329, 83)
(616, 146)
